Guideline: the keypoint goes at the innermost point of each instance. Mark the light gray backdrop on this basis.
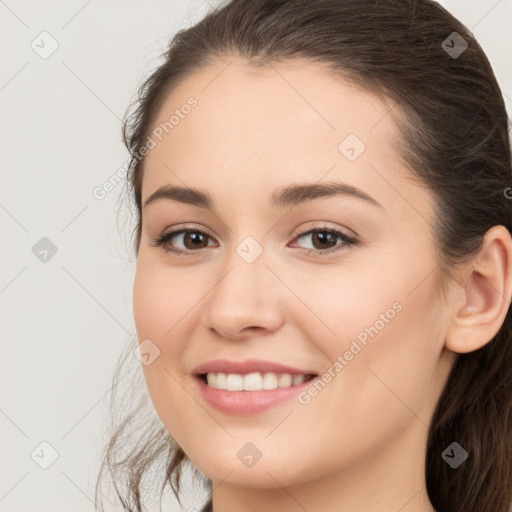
(69, 70)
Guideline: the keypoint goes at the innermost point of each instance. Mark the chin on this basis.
(268, 473)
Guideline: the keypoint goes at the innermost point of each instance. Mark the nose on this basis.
(244, 300)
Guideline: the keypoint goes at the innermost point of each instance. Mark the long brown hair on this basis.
(454, 138)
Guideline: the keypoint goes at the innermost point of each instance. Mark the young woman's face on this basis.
(255, 282)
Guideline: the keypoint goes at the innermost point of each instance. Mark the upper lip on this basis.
(247, 366)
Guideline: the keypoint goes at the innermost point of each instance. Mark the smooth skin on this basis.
(359, 444)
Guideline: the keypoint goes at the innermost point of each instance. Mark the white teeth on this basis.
(270, 381)
(285, 380)
(211, 378)
(234, 382)
(255, 381)
(220, 381)
(297, 379)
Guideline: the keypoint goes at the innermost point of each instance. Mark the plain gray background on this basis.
(66, 316)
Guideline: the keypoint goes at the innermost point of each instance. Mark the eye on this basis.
(324, 240)
(193, 239)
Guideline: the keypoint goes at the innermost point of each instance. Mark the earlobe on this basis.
(487, 290)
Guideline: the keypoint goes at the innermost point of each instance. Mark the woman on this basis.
(324, 262)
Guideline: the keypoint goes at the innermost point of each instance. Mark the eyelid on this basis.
(179, 230)
(346, 239)
(187, 226)
(322, 224)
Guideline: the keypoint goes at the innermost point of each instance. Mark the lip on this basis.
(248, 366)
(246, 403)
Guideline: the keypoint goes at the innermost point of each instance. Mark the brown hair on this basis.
(454, 138)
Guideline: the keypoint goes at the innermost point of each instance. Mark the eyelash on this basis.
(162, 241)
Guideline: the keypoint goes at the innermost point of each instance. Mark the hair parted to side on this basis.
(454, 138)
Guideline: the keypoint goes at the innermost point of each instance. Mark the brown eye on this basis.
(191, 241)
(194, 239)
(325, 240)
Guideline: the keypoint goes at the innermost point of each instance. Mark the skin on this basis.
(360, 443)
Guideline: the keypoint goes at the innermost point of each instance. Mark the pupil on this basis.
(325, 237)
(195, 237)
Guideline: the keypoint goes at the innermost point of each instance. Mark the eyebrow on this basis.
(291, 195)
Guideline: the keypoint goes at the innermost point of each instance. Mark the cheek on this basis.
(160, 302)
(388, 336)
(160, 297)
(347, 304)
(157, 309)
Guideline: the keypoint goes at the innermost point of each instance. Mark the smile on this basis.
(264, 391)
(255, 381)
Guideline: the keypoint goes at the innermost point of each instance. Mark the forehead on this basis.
(264, 128)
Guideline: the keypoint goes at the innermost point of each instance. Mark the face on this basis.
(338, 285)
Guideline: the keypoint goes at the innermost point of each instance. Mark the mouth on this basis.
(253, 381)
(250, 393)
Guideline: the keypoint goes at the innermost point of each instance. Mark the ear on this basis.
(486, 293)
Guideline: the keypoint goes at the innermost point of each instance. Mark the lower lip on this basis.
(245, 403)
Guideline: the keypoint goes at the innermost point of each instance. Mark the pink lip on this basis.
(245, 403)
(247, 366)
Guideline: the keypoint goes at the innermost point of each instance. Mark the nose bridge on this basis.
(244, 296)
(247, 279)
